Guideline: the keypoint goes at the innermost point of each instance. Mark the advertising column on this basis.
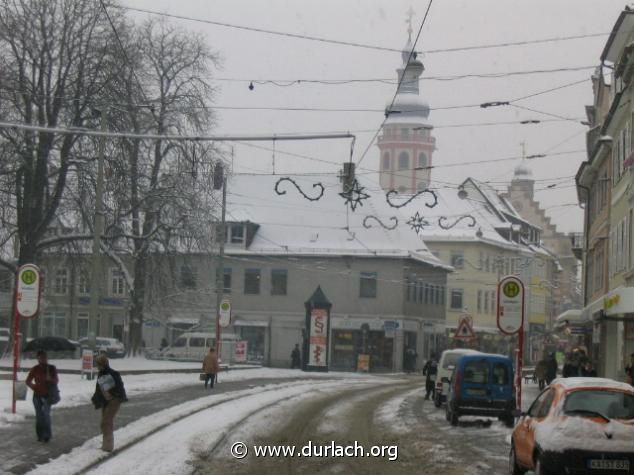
(316, 348)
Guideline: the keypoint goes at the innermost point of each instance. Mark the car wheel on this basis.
(509, 420)
(514, 469)
(437, 402)
(452, 415)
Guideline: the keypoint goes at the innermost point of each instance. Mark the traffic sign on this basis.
(27, 297)
(510, 314)
(225, 312)
(464, 330)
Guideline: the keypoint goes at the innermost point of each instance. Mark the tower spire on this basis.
(410, 16)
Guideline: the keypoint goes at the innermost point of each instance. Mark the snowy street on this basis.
(176, 427)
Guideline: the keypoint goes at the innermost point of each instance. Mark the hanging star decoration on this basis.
(354, 195)
(418, 222)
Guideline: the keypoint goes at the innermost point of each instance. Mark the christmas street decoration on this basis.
(443, 219)
(315, 185)
(426, 190)
(418, 222)
(390, 228)
(354, 195)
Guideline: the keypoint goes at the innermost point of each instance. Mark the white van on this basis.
(446, 365)
(193, 346)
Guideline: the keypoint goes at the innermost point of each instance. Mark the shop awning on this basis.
(572, 316)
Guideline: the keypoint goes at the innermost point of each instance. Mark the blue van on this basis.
(482, 385)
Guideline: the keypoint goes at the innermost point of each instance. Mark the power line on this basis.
(363, 45)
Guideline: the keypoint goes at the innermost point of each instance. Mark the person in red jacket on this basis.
(39, 379)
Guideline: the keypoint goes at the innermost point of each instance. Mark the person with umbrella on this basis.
(40, 377)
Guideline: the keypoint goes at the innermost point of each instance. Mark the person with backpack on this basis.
(40, 379)
(108, 396)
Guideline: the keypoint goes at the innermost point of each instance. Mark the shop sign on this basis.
(609, 302)
(390, 327)
(318, 341)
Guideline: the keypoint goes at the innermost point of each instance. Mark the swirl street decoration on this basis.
(315, 185)
(390, 228)
(355, 195)
(426, 190)
(418, 222)
(449, 226)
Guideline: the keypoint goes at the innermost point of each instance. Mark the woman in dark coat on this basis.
(109, 394)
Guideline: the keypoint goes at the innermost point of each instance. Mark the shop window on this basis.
(368, 285)
(252, 281)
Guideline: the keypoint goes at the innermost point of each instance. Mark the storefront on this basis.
(612, 321)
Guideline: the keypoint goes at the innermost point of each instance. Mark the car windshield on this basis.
(611, 404)
(450, 360)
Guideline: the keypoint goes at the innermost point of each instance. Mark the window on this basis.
(54, 324)
(61, 281)
(83, 282)
(367, 285)
(197, 342)
(457, 259)
(82, 325)
(279, 279)
(500, 374)
(419, 291)
(479, 301)
(541, 405)
(493, 301)
(425, 293)
(403, 161)
(486, 264)
(189, 277)
(226, 280)
(476, 372)
(237, 233)
(252, 281)
(612, 404)
(486, 302)
(118, 282)
(386, 161)
(421, 185)
(456, 298)
(422, 160)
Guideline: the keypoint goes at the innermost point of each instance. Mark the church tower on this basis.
(406, 144)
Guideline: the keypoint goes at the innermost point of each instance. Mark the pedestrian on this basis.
(570, 369)
(164, 344)
(430, 370)
(410, 360)
(210, 368)
(588, 371)
(629, 371)
(40, 377)
(295, 357)
(541, 368)
(109, 394)
(551, 368)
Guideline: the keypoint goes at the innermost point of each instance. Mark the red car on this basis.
(576, 425)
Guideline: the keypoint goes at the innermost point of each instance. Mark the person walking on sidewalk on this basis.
(295, 357)
(430, 370)
(39, 378)
(210, 368)
(109, 394)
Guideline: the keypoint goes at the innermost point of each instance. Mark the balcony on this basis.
(577, 244)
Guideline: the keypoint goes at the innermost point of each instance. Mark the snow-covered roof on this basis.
(289, 224)
(580, 382)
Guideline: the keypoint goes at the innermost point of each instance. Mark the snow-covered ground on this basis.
(76, 390)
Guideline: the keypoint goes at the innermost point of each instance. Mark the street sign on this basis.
(225, 312)
(464, 330)
(28, 291)
(510, 314)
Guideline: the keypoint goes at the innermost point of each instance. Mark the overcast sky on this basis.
(247, 55)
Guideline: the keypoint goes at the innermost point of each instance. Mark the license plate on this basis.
(601, 464)
(476, 392)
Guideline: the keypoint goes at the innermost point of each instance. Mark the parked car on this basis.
(482, 385)
(112, 347)
(193, 346)
(446, 365)
(576, 425)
